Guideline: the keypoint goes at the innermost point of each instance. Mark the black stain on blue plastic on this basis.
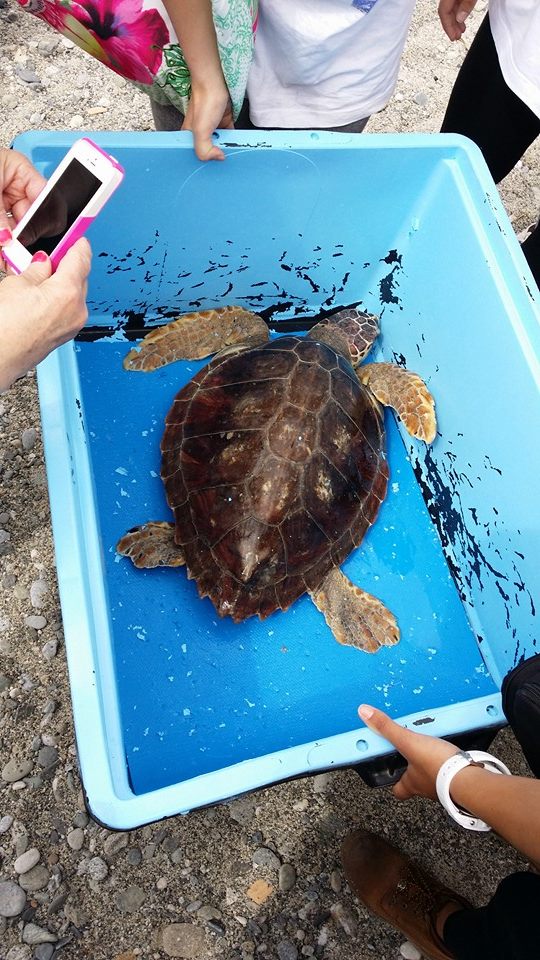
(388, 283)
(442, 499)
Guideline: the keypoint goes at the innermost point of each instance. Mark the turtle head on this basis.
(350, 332)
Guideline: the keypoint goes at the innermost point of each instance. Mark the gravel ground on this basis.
(184, 888)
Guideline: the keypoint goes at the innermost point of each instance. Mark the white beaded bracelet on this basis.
(465, 758)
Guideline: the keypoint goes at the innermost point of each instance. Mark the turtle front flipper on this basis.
(356, 618)
(152, 545)
(194, 336)
(406, 393)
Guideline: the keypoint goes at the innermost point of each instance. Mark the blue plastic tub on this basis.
(173, 707)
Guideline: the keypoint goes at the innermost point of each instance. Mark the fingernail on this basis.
(5, 235)
(366, 712)
(40, 257)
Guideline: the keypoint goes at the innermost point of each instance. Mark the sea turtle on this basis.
(274, 465)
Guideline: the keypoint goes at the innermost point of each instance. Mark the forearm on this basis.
(194, 26)
(18, 350)
(510, 805)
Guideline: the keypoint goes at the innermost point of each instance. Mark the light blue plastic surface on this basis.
(173, 707)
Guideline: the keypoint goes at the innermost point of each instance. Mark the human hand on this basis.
(209, 107)
(424, 754)
(20, 184)
(452, 14)
(40, 310)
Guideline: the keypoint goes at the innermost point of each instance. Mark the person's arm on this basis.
(452, 14)
(210, 104)
(39, 311)
(510, 805)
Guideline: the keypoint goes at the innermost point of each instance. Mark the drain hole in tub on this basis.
(362, 745)
(492, 710)
(314, 136)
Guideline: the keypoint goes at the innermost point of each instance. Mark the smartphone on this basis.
(73, 196)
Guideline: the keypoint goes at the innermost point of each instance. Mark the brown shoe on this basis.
(398, 890)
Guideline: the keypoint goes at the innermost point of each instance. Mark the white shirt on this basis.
(515, 25)
(325, 63)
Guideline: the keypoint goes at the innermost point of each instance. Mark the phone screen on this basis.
(67, 199)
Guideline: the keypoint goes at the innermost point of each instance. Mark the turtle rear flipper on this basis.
(407, 393)
(152, 545)
(356, 618)
(194, 336)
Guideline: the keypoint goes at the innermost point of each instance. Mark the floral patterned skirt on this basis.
(135, 38)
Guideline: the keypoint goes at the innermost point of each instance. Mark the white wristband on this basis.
(448, 771)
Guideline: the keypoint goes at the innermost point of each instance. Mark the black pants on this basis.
(483, 108)
(507, 928)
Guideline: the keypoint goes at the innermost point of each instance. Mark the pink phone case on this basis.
(81, 225)
(78, 229)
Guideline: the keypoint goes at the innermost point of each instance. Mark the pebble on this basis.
(81, 819)
(15, 770)
(183, 940)
(264, 857)
(28, 76)
(20, 592)
(12, 899)
(97, 869)
(114, 843)
(321, 783)
(409, 951)
(76, 122)
(421, 99)
(129, 900)
(345, 918)
(242, 810)
(50, 649)
(149, 851)
(287, 950)
(335, 881)
(75, 839)
(27, 860)
(34, 935)
(287, 877)
(35, 879)
(47, 757)
(5, 823)
(29, 436)
(134, 856)
(37, 623)
(44, 951)
(47, 47)
(162, 883)
(38, 591)
(207, 912)
(19, 952)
